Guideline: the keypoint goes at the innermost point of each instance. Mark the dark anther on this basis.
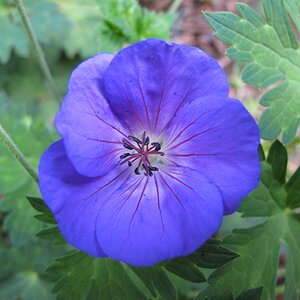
(150, 173)
(124, 155)
(156, 145)
(129, 163)
(133, 138)
(153, 168)
(127, 146)
(144, 166)
(136, 171)
(147, 140)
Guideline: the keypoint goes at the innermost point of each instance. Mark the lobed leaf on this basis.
(293, 7)
(259, 246)
(13, 35)
(273, 55)
(81, 276)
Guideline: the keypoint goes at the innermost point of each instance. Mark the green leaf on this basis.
(110, 25)
(277, 17)
(22, 271)
(46, 215)
(278, 158)
(185, 269)
(84, 34)
(259, 246)
(212, 255)
(20, 222)
(156, 281)
(15, 183)
(52, 234)
(253, 294)
(267, 46)
(124, 22)
(27, 285)
(266, 199)
(293, 190)
(81, 276)
(46, 20)
(293, 7)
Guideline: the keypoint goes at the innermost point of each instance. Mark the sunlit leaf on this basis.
(274, 58)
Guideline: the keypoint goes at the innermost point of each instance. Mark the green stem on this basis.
(6, 139)
(174, 6)
(39, 51)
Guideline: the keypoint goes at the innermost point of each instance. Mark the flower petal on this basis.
(220, 139)
(91, 133)
(148, 82)
(72, 198)
(160, 217)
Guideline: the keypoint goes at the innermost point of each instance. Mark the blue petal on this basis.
(73, 198)
(148, 82)
(156, 218)
(91, 133)
(218, 138)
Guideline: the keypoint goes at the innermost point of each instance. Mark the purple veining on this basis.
(153, 153)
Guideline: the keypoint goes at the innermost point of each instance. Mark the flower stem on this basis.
(7, 140)
(39, 51)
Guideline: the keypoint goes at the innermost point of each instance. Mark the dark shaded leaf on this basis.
(212, 255)
(81, 276)
(293, 190)
(253, 294)
(277, 158)
(157, 282)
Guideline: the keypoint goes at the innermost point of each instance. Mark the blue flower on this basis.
(153, 153)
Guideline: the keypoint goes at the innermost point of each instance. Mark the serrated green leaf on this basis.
(267, 47)
(157, 282)
(278, 158)
(277, 17)
(212, 255)
(293, 7)
(185, 269)
(39, 205)
(82, 276)
(52, 234)
(124, 22)
(110, 25)
(259, 246)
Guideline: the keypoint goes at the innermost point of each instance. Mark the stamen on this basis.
(156, 145)
(124, 155)
(141, 151)
(147, 141)
(153, 168)
(133, 138)
(136, 171)
(127, 146)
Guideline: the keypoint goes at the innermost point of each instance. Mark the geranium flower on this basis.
(153, 153)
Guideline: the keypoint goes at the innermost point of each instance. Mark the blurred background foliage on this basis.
(70, 31)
